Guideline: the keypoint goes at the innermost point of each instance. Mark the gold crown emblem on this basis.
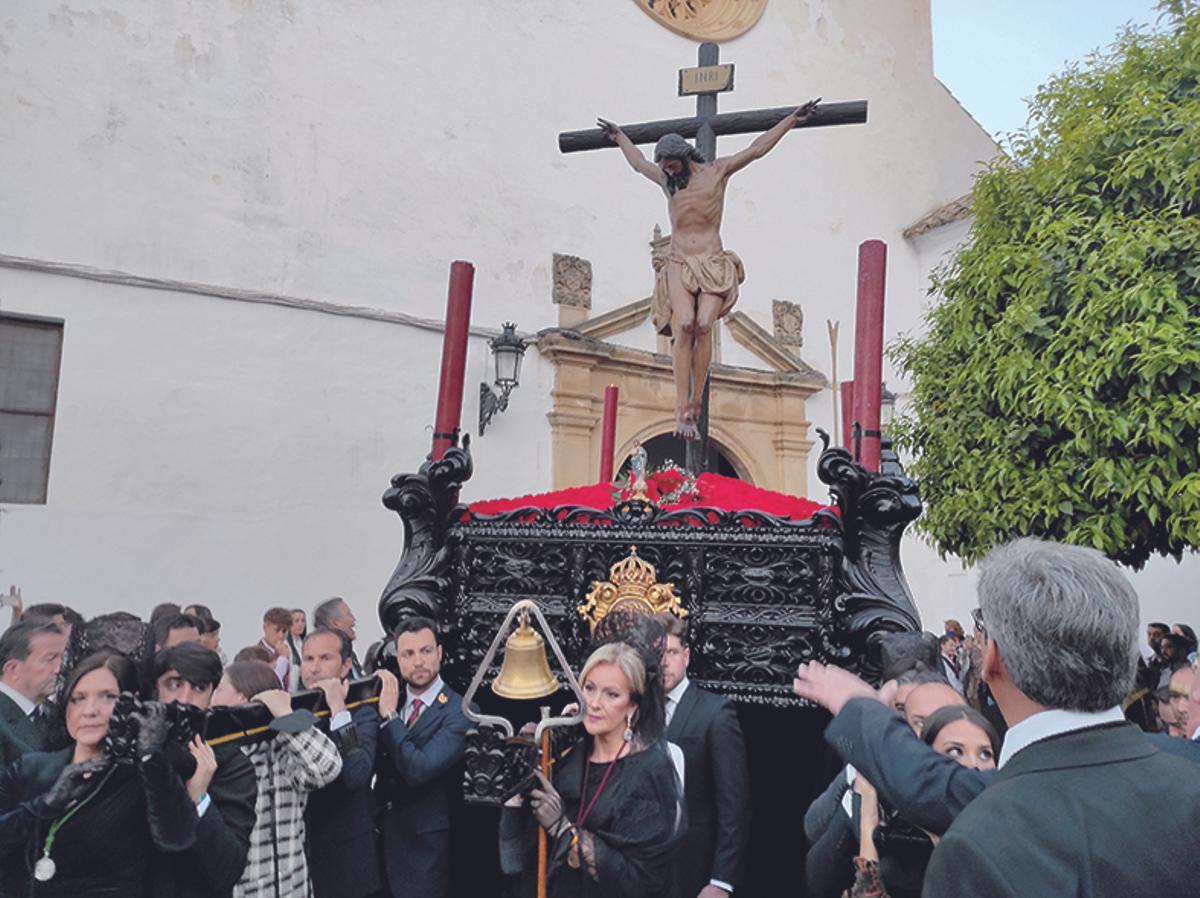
(632, 587)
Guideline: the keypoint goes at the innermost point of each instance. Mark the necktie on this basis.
(414, 713)
(670, 710)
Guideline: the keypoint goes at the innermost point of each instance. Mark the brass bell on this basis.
(525, 672)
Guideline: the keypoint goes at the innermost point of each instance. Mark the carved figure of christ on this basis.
(698, 281)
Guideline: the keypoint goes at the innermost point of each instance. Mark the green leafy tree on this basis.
(1057, 389)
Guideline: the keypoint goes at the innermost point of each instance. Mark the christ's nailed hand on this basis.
(609, 128)
(804, 113)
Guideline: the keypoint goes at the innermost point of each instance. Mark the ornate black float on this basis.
(763, 592)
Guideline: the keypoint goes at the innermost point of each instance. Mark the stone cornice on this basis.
(948, 213)
(572, 347)
(763, 344)
(619, 320)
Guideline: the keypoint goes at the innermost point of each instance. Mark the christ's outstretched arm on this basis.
(764, 143)
(633, 155)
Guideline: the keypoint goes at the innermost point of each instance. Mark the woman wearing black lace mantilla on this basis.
(85, 821)
(613, 811)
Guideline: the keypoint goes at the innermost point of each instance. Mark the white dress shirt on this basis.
(23, 703)
(674, 696)
(1054, 722)
(428, 695)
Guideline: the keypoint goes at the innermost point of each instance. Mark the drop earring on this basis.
(629, 728)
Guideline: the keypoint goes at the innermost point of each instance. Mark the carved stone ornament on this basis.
(572, 281)
(660, 248)
(632, 588)
(705, 20)
(789, 323)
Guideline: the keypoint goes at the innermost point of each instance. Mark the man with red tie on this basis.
(421, 748)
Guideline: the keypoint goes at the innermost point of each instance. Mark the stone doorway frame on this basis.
(758, 416)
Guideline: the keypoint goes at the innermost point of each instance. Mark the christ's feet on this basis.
(685, 424)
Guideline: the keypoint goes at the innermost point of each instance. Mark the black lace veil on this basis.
(648, 638)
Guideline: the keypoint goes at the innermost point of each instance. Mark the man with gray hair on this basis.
(335, 614)
(1075, 780)
(30, 655)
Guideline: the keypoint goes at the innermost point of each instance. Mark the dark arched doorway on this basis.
(668, 447)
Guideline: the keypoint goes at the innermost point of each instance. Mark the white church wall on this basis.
(346, 153)
(235, 459)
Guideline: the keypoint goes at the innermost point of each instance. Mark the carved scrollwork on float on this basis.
(875, 510)
(427, 503)
(496, 766)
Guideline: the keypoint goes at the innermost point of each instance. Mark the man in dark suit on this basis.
(335, 614)
(1074, 780)
(708, 862)
(30, 655)
(1185, 699)
(831, 824)
(421, 748)
(339, 819)
(927, 789)
(223, 788)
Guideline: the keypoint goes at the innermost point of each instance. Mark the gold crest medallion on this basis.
(705, 20)
(632, 589)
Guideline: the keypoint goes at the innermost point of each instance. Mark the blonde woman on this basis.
(613, 810)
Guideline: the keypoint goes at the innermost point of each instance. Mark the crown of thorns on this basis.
(673, 146)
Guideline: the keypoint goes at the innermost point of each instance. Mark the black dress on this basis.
(635, 824)
(105, 848)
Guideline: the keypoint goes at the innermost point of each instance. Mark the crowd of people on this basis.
(1014, 761)
(937, 798)
(96, 798)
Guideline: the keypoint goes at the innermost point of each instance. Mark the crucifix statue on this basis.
(698, 281)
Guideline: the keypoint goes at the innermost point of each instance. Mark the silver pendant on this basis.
(44, 869)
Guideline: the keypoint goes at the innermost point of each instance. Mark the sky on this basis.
(993, 54)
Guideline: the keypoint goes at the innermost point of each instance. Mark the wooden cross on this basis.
(705, 127)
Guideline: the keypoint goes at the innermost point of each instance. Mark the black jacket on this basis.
(212, 867)
(105, 848)
(418, 784)
(927, 789)
(716, 791)
(832, 836)
(339, 819)
(18, 734)
(1188, 749)
(1065, 816)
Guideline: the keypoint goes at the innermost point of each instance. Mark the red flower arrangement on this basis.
(669, 485)
(670, 488)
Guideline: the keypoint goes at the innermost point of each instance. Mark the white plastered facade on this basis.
(292, 180)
